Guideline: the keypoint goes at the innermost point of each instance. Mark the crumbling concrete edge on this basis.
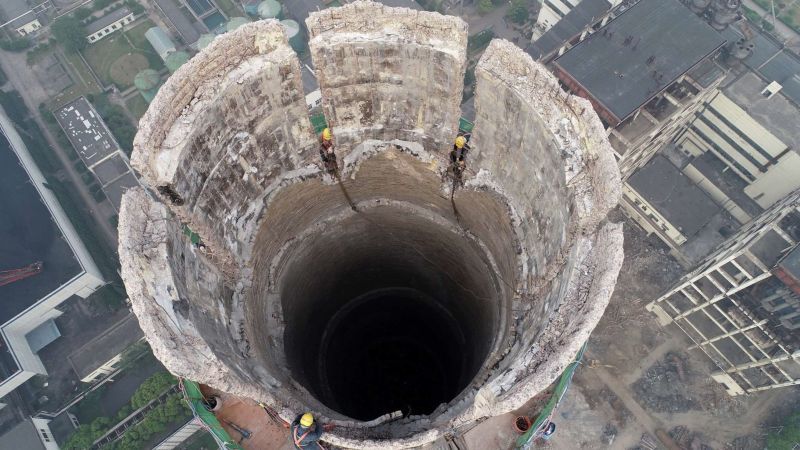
(589, 167)
(205, 68)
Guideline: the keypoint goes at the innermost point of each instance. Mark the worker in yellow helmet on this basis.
(458, 156)
(326, 150)
(306, 432)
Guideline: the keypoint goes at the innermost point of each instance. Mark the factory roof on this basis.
(22, 436)
(570, 26)
(86, 131)
(772, 61)
(28, 233)
(673, 195)
(639, 53)
(108, 19)
(106, 346)
(185, 27)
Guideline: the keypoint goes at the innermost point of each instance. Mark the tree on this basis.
(82, 13)
(518, 11)
(787, 436)
(15, 44)
(152, 388)
(135, 7)
(70, 32)
(485, 6)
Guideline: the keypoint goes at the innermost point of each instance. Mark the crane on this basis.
(10, 276)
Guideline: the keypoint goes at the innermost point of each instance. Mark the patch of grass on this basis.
(124, 69)
(136, 105)
(139, 41)
(83, 82)
(103, 54)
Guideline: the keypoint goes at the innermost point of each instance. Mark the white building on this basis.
(108, 24)
(37, 230)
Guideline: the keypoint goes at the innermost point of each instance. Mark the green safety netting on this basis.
(318, 122)
(465, 125)
(193, 395)
(538, 426)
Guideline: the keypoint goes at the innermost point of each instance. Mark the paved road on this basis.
(25, 82)
(790, 37)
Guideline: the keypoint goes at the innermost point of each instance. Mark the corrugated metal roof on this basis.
(639, 53)
(570, 26)
(160, 41)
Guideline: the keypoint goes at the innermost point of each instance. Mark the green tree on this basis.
(70, 32)
(485, 6)
(788, 436)
(15, 44)
(152, 388)
(518, 11)
(82, 13)
(135, 7)
(100, 4)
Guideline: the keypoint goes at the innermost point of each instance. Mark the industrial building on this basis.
(564, 14)
(188, 30)
(581, 21)
(741, 305)
(42, 263)
(641, 84)
(97, 148)
(101, 356)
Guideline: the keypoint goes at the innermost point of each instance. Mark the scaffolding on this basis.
(735, 304)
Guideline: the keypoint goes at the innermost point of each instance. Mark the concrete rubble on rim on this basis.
(522, 262)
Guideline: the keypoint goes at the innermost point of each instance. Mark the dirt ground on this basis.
(637, 379)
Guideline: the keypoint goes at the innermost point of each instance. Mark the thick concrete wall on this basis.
(223, 128)
(234, 147)
(389, 73)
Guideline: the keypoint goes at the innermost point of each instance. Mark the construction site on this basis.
(440, 286)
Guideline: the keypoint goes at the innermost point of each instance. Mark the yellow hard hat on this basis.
(307, 420)
(460, 141)
(326, 134)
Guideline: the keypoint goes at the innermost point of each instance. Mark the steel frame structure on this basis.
(717, 305)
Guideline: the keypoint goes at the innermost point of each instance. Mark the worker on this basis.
(458, 156)
(326, 150)
(306, 432)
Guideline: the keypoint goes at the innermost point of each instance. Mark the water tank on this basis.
(175, 60)
(236, 22)
(292, 28)
(269, 9)
(205, 40)
(146, 80)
